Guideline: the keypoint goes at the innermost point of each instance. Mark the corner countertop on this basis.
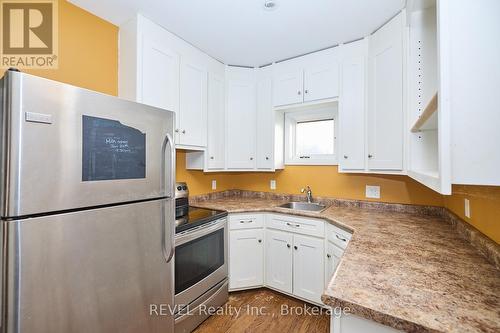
(410, 271)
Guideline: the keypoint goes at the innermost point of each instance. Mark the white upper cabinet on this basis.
(385, 97)
(265, 125)
(160, 76)
(254, 131)
(216, 120)
(321, 80)
(192, 124)
(241, 118)
(288, 88)
(159, 69)
(270, 125)
(469, 89)
(352, 106)
(308, 78)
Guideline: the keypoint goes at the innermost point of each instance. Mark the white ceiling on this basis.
(242, 32)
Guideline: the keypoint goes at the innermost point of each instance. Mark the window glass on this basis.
(315, 137)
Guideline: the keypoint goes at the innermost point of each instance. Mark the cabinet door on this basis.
(265, 125)
(241, 124)
(279, 260)
(332, 260)
(193, 105)
(385, 99)
(159, 82)
(321, 81)
(288, 87)
(246, 258)
(308, 267)
(215, 142)
(352, 107)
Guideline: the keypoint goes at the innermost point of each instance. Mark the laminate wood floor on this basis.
(264, 310)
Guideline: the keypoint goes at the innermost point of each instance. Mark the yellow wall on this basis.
(324, 181)
(484, 207)
(88, 51)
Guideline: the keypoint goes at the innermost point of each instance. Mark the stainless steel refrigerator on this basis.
(87, 210)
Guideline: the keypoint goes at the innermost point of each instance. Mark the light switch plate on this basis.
(372, 192)
(214, 184)
(272, 184)
(467, 208)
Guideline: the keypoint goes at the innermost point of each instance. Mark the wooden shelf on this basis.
(428, 114)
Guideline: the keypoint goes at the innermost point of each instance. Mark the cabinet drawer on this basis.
(337, 236)
(246, 221)
(299, 225)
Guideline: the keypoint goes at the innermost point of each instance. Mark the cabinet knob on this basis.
(176, 130)
(299, 92)
(346, 157)
(211, 157)
(370, 156)
(183, 131)
(288, 245)
(307, 91)
(295, 247)
(267, 158)
(251, 158)
(328, 256)
(260, 240)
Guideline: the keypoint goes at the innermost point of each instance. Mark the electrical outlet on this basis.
(372, 192)
(214, 184)
(272, 184)
(467, 208)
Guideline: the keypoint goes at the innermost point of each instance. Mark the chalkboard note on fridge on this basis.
(112, 150)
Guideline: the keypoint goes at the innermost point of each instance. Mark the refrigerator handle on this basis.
(167, 187)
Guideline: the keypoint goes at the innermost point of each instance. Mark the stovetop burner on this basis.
(196, 217)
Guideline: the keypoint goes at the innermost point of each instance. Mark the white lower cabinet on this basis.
(308, 281)
(291, 254)
(279, 260)
(332, 260)
(246, 266)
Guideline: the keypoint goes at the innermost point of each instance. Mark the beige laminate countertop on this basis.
(406, 270)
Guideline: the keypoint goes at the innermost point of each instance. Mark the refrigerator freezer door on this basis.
(67, 147)
(98, 271)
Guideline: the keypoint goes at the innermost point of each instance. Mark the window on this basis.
(310, 136)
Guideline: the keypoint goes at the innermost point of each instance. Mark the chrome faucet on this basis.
(309, 194)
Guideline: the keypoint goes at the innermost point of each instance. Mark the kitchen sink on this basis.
(309, 206)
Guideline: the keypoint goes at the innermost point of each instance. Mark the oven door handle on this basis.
(167, 189)
(199, 232)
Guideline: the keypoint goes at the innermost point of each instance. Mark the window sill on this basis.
(312, 162)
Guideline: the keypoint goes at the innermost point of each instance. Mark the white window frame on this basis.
(321, 112)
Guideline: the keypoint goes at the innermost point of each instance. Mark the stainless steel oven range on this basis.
(201, 270)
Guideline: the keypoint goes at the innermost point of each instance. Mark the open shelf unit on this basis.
(423, 89)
